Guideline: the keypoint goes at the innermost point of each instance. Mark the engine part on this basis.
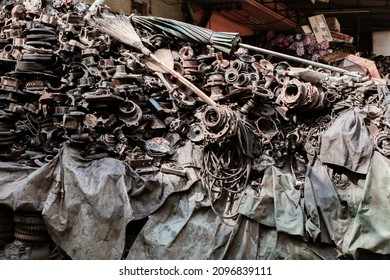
(25, 251)
(130, 113)
(179, 126)
(382, 143)
(231, 75)
(267, 127)
(34, 4)
(301, 96)
(218, 122)
(183, 100)
(173, 169)
(239, 65)
(195, 133)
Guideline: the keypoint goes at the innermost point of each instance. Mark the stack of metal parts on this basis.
(62, 81)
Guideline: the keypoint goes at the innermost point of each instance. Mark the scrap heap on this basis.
(284, 147)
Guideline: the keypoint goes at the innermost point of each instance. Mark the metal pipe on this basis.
(300, 60)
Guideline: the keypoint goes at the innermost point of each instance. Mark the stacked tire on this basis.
(30, 227)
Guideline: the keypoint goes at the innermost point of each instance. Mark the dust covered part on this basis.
(106, 156)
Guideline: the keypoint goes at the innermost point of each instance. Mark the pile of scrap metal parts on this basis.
(62, 81)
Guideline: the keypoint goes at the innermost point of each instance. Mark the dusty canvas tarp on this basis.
(184, 228)
(347, 143)
(100, 198)
(328, 218)
(276, 203)
(250, 240)
(371, 227)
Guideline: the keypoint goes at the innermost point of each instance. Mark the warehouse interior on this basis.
(189, 129)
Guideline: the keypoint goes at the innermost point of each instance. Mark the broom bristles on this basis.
(164, 56)
(120, 28)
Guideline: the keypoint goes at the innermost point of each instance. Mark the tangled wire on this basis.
(227, 161)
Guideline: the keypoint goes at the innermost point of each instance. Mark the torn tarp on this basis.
(347, 143)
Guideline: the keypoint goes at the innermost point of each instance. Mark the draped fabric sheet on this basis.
(347, 142)
(87, 211)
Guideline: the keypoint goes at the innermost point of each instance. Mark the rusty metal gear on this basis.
(184, 101)
(218, 122)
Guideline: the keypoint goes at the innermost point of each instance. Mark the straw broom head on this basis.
(120, 28)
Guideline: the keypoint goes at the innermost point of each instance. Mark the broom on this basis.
(120, 28)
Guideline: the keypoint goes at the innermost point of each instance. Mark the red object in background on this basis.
(361, 65)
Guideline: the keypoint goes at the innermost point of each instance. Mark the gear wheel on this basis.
(184, 103)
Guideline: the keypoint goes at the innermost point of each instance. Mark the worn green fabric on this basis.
(184, 228)
(258, 204)
(347, 142)
(251, 240)
(88, 217)
(371, 227)
(328, 218)
(276, 203)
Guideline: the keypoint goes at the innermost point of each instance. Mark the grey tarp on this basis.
(277, 203)
(184, 228)
(328, 218)
(100, 198)
(347, 143)
(371, 227)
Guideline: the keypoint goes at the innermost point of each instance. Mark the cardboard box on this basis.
(337, 55)
(340, 37)
(306, 29)
(361, 65)
(320, 28)
(333, 24)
